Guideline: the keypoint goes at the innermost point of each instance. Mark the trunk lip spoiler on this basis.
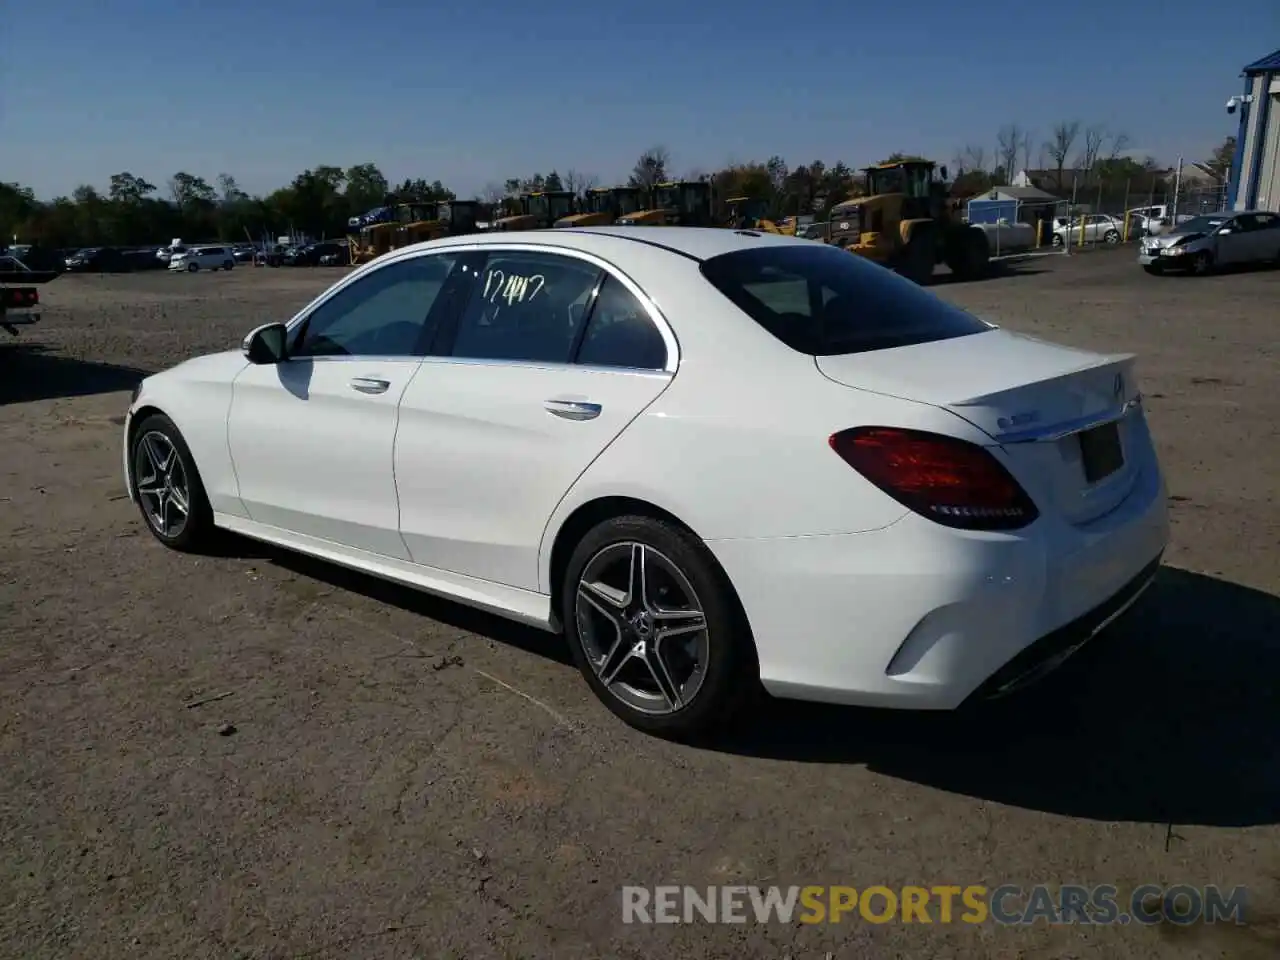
(1055, 432)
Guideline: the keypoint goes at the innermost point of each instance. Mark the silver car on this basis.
(1204, 243)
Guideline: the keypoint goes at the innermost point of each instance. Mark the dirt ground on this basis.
(409, 779)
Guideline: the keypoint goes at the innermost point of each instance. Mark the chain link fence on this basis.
(1097, 213)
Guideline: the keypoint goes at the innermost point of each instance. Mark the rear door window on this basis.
(823, 301)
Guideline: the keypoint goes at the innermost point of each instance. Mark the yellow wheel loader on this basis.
(749, 213)
(537, 211)
(685, 203)
(413, 223)
(604, 205)
(907, 222)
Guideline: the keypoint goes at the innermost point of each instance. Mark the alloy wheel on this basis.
(162, 484)
(643, 628)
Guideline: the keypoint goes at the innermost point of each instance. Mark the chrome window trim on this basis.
(515, 246)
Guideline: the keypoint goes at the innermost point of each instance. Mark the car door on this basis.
(312, 436)
(1233, 241)
(1266, 237)
(553, 356)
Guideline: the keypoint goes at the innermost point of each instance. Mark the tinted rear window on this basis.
(823, 301)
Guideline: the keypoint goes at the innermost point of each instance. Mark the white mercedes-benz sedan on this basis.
(714, 459)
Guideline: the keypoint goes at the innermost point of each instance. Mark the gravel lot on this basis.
(408, 778)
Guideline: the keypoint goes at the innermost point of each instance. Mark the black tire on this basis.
(916, 260)
(729, 675)
(968, 255)
(1112, 237)
(228, 265)
(192, 267)
(1058, 241)
(1202, 263)
(1153, 269)
(198, 530)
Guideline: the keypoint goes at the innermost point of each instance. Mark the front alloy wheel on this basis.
(164, 494)
(167, 486)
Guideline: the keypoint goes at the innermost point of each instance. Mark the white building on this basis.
(1255, 169)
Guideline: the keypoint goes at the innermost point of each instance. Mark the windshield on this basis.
(1201, 224)
(560, 207)
(821, 301)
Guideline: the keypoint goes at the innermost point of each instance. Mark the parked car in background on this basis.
(1154, 220)
(243, 252)
(203, 258)
(340, 256)
(1098, 228)
(1203, 244)
(96, 260)
(272, 256)
(953, 508)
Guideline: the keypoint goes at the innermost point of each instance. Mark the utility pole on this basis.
(1177, 188)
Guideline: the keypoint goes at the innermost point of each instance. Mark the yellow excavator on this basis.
(685, 203)
(908, 223)
(414, 223)
(604, 205)
(537, 210)
(749, 213)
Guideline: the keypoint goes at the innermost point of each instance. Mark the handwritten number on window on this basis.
(512, 289)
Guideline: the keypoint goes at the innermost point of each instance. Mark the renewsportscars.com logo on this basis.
(1007, 905)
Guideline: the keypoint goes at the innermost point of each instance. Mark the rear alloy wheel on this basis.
(1112, 237)
(167, 486)
(654, 627)
(1057, 240)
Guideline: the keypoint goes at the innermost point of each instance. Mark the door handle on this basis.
(370, 385)
(573, 409)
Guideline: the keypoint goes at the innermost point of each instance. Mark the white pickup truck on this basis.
(1154, 220)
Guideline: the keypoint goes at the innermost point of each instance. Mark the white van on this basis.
(203, 258)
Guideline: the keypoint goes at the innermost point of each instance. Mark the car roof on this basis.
(693, 243)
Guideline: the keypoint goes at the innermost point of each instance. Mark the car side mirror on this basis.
(267, 344)
(1224, 231)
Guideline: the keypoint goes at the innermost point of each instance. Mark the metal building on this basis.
(1255, 169)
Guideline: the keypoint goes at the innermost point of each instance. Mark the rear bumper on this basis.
(920, 616)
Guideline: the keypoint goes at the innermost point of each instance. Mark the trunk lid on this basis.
(1034, 399)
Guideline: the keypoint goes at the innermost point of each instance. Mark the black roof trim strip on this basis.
(623, 236)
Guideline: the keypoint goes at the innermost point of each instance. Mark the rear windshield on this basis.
(823, 301)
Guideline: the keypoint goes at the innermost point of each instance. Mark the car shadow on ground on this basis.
(448, 612)
(29, 371)
(1170, 716)
(999, 270)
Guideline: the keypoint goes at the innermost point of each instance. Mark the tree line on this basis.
(318, 202)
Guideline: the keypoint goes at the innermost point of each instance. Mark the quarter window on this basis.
(526, 306)
(384, 313)
(620, 333)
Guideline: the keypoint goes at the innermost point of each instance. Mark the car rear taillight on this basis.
(948, 480)
(20, 298)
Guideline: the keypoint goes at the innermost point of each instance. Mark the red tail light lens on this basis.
(951, 481)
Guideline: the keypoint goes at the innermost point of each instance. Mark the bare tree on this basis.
(493, 193)
(1095, 139)
(1009, 142)
(579, 183)
(1059, 145)
(651, 168)
(972, 158)
(1119, 144)
(1024, 147)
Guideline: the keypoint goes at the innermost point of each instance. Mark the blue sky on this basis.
(471, 93)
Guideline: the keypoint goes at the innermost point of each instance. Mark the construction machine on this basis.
(685, 203)
(751, 213)
(907, 222)
(537, 210)
(408, 223)
(604, 205)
